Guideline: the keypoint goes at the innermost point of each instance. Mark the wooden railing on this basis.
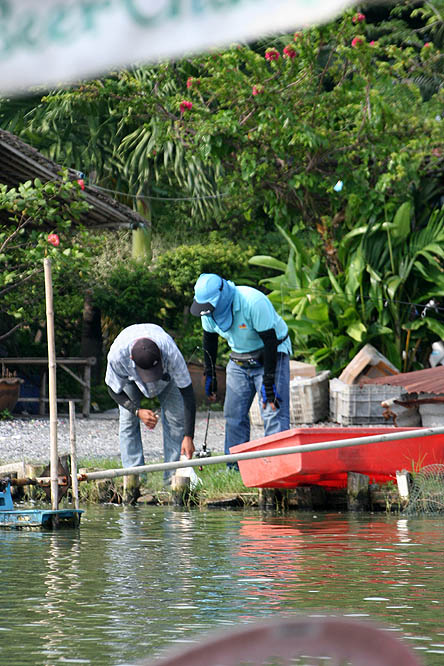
(78, 362)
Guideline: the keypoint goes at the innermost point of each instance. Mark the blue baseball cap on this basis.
(207, 292)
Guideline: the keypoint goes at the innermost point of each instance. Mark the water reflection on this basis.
(133, 580)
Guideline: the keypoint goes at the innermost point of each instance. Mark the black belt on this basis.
(253, 359)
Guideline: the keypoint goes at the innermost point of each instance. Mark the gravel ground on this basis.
(27, 438)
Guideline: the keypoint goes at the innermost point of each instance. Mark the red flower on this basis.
(191, 81)
(257, 90)
(356, 41)
(358, 18)
(427, 45)
(289, 51)
(373, 43)
(54, 240)
(297, 35)
(184, 106)
(271, 54)
(81, 182)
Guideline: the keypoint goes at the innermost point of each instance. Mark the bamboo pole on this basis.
(266, 453)
(72, 439)
(54, 460)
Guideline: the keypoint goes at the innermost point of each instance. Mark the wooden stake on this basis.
(54, 461)
(357, 491)
(72, 439)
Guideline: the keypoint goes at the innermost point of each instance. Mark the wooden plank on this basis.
(18, 467)
(73, 374)
(34, 360)
(368, 357)
(47, 399)
(61, 362)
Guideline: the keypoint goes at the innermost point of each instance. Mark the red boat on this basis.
(379, 460)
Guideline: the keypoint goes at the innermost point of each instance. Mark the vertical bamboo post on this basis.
(54, 460)
(72, 439)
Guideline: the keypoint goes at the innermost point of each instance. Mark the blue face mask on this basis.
(223, 313)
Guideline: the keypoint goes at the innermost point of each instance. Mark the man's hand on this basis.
(269, 394)
(187, 448)
(148, 417)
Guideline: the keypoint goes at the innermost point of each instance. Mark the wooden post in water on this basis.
(72, 439)
(54, 461)
(357, 491)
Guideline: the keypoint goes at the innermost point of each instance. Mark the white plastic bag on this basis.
(188, 472)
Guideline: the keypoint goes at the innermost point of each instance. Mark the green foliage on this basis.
(386, 268)
(129, 294)
(263, 144)
(264, 141)
(134, 292)
(34, 209)
(180, 267)
(178, 271)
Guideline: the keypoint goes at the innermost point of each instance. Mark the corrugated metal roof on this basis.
(20, 162)
(430, 380)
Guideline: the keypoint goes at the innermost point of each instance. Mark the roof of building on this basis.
(430, 380)
(20, 162)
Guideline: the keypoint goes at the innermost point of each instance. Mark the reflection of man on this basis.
(144, 361)
(260, 354)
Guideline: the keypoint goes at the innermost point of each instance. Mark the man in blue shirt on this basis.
(144, 361)
(260, 354)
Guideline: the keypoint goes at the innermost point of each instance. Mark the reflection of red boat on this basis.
(379, 460)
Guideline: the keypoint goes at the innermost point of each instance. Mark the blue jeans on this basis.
(241, 386)
(172, 417)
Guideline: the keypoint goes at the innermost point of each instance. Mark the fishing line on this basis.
(155, 198)
(203, 453)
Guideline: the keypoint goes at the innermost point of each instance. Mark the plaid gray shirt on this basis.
(121, 369)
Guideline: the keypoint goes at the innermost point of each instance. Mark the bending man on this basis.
(260, 354)
(144, 361)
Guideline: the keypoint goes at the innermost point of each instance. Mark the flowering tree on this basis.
(36, 222)
(260, 134)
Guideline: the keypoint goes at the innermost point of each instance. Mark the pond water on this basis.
(132, 581)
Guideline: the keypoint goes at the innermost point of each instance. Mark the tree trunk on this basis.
(91, 344)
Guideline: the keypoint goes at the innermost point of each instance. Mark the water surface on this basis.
(134, 580)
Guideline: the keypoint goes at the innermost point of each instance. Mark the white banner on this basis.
(55, 42)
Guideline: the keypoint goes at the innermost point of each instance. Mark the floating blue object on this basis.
(43, 518)
(339, 185)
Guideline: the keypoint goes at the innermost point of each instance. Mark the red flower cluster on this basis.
(54, 240)
(184, 106)
(356, 41)
(81, 182)
(427, 45)
(358, 18)
(297, 35)
(289, 51)
(271, 54)
(257, 90)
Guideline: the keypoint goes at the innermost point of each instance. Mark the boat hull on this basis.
(39, 518)
(379, 460)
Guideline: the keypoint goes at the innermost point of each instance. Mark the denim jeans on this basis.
(172, 417)
(241, 386)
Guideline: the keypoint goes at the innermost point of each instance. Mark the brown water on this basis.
(132, 581)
